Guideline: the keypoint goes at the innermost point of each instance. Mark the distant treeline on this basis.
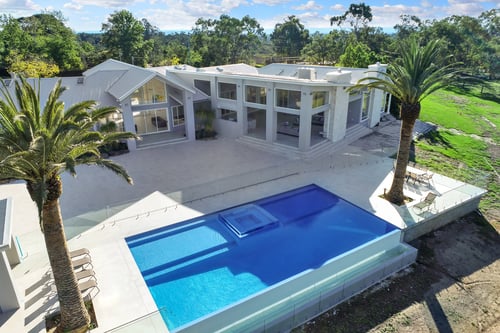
(43, 46)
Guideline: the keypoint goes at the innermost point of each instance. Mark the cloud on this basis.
(310, 5)
(463, 7)
(15, 7)
(270, 2)
(103, 3)
(338, 8)
(311, 20)
(73, 6)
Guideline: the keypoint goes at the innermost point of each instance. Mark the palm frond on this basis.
(117, 136)
(413, 76)
(37, 145)
(108, 164)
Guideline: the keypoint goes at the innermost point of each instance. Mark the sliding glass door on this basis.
(151, 121)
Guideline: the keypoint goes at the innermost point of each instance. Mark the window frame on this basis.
(231, 91)
(260, 98)
(297, 102)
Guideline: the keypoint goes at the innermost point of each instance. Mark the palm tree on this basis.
(410, 79)
(37, 146)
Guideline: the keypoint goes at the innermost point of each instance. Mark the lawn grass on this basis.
(467, 150)
(467, 110)
(465, 146)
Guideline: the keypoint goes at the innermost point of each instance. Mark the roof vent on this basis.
(307, 73)
(79, 80)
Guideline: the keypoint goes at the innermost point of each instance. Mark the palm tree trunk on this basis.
(74, 315)
(409, 114)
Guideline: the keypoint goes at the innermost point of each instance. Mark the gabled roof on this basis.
(129, 81)
(108, 65)
(131, 78)
(172, 78)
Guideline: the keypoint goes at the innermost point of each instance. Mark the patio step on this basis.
(321, 149)
(160, 143)
(279, 149)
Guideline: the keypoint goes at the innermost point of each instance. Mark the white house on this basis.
(293, 108)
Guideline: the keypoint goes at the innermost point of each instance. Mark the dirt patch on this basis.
(453, 287)
(460, 101)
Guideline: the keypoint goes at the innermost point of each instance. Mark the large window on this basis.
(227, 90)
(150, 93)
(178, 115)
(255, 94)
(151, 121)
(319, 98)
(230, 115)
(203, 86)
(365, 105)
(288, 99)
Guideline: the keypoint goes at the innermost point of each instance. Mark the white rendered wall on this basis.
(128, 122)
(189, 122)
(339, 114)
(9, 297)
(377, 96)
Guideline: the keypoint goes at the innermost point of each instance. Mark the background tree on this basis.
(356, 15)
(289, 37)
(490, 21)
(357, 55)
(39, 39)
(93, 52)
(15, 43)
(410, 25)
(53, 41)
(37, 145)
(319, 49)
(379, 42)
(156, 37)
(465, 38)
(123, 36)
(227, 40)
(410, 79)
(33, 68)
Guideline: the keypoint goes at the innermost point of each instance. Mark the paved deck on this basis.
(181, 181)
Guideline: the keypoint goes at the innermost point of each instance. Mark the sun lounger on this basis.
(85, 273)
(83, 263)
(79, 253)
(425, 178)
(87, 287)
(412, 176)
(426, 203)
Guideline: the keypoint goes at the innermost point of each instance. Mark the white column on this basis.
(12, 252)
(9, 297)
(377, 96)
(271, 116)
(189, 122)
(339, 115)
(241, 116)
(340, 103)
(305, 119)
(128, 122)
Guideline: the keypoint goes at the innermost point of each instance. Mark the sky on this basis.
(181, 15)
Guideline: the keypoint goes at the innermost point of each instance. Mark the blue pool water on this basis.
(202, 265)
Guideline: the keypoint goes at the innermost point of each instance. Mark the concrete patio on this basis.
(181, 181)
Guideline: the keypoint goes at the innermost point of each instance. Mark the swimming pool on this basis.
(209, 264)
